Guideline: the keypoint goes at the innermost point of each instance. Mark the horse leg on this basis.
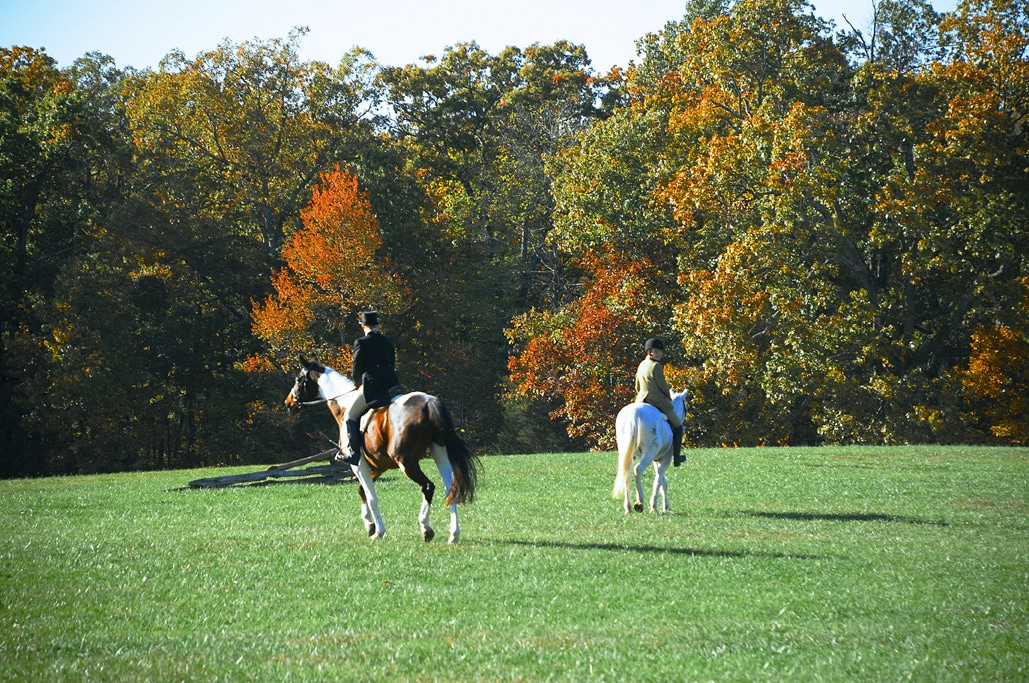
(370, 502)
(415, 474)
(660, 484)
(446, 471)
(366, 514)
(638, 472)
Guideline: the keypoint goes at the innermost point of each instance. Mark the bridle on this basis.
(300, 386)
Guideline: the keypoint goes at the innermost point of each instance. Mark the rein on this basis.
(318, 401)
(324, 400)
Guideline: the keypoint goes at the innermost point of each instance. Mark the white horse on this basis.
(641, 429)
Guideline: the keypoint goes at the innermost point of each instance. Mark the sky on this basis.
(138, 33)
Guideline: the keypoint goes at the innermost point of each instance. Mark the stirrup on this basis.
(342, 457)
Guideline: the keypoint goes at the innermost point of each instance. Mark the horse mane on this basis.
(334, 380)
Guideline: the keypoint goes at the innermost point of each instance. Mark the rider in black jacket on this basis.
(375, 374)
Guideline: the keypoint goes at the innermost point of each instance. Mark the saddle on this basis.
(661, 412)
(395, 392)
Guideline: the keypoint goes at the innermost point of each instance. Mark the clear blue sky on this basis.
(139, 33)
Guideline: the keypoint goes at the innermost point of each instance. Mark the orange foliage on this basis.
(331, 272)
(998, 371)
(587, 352)
(718, 319)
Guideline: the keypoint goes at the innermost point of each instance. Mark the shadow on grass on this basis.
(275, 475)
(841, 517)
(692, 552)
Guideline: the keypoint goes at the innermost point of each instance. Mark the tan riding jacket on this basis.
(652, 388)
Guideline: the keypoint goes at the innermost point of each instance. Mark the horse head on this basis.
(305, 387)
(679, 403)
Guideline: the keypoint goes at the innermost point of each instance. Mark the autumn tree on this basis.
(228, 146)
(138, 344)
(578, 355)
(239, 134)
(61, 163)
(479, 129)
(613, 196)
(843, 223)
(584, 354)
(334, 268)
(978, 166)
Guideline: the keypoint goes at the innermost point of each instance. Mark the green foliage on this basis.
(238, 135)
(843, 223)
(828, 563)
(61, 157)
(477, 131)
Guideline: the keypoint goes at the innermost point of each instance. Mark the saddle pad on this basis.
(368, 415)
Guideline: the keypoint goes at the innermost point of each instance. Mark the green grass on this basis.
(830, 564)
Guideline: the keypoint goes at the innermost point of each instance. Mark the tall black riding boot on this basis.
(352, 452)
(677, 459)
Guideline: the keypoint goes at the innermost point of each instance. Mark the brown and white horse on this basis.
(399, 436)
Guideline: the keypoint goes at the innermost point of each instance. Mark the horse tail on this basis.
(464, 462)
(627, 438)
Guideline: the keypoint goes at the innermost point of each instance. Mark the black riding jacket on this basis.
(374, 367)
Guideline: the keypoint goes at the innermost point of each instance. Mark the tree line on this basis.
(826, 225)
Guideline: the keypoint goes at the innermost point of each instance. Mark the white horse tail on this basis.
(627, 438)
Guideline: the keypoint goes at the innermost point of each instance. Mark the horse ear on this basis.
(304, 363)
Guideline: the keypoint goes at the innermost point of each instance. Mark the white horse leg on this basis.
(366, 517)
(423, 520)
(446, 471)
(660, 484)
(370, 508)
(622, 480)
(631, 439)
(638, 471)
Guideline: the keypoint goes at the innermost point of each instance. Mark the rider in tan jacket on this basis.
(652, 388)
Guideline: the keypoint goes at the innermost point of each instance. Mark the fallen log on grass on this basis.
(320, 474)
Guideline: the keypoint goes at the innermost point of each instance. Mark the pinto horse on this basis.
(641, 429)
(397, 436)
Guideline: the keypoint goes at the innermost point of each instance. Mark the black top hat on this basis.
(654, 343)
(369, 318)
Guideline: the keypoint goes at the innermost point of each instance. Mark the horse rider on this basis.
(375, 374)
(652, 388)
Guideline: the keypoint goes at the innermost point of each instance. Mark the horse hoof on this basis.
(371, 531)
(638, 507)
(428, 535)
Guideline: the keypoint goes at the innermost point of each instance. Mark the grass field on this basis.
(879, 564)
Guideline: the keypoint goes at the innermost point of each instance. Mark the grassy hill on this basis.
(799, 564)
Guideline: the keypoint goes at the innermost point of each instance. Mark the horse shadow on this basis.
(734, 554)
(842, 517)
(690, 552)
